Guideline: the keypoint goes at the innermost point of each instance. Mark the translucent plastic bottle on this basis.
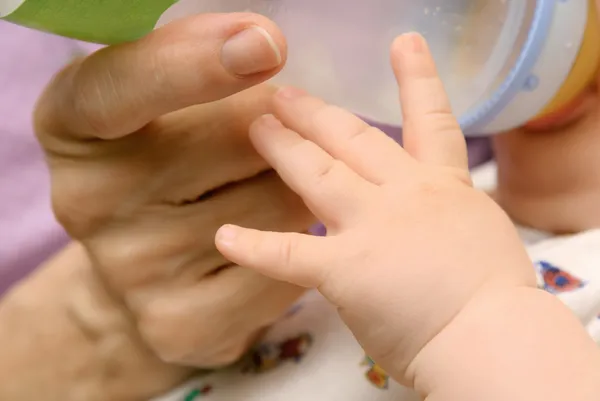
(503, 62)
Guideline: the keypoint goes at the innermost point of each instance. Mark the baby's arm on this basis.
(514, 344)
(428, 273)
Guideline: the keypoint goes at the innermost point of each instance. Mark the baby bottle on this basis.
(504, 63)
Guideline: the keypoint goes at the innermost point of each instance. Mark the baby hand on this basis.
(410, 241)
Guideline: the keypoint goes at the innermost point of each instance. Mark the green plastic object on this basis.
(99, 21)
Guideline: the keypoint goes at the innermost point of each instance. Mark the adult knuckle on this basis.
(65, 209)
(72, 208)
(151, 324)
(118, 263)
(83, 92)
(177, 333)
(162, 331)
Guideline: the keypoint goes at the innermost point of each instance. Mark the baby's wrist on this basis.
(497, 348)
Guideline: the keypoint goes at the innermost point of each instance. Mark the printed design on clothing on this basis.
(376, 375)
(198, 392)
(293, 311)
(268, 356)
(555, 280)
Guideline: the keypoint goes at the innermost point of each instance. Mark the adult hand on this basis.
(149, 155)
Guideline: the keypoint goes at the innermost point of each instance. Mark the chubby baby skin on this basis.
(549, 177)
(405, 223)
(549, 172)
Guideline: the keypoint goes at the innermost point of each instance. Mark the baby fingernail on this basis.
(226, 235)
(250, 51)
(412, 42)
